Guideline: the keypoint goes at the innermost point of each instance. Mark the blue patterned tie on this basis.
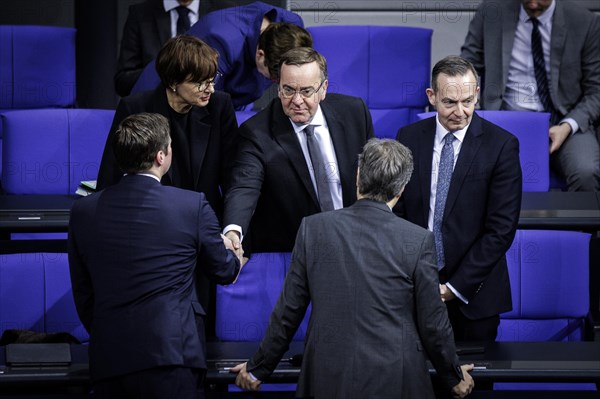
(539, 68)
(183, 20)
(445, 169)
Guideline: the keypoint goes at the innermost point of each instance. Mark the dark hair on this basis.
(304, 55)
(186, 57)
(278, 38)
(138, 139)
(385, 166)
(452, 65)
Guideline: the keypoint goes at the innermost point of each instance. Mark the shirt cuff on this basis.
(455, 292)
(234, 227)
(252, 376)
(573, 123)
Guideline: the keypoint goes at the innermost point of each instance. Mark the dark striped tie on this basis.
(539, 67)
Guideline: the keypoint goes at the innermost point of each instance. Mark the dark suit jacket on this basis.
(481, 212)
(376, 310)
(132, 254)
(234, 33)
(574, 56)
(214, 134)
(271, 187)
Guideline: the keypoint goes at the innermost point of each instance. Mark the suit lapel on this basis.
(284, 134)
(426, 139)
(346, 161)
(162, 20)
(466, 157)
(509, 27)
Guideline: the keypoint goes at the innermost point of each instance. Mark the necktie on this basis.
(445, 169)
(539, 67)
(320, 170)
(183, 20)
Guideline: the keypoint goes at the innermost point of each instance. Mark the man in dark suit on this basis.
(472, 205)
(372, 280)
(148, 26)
(274, 183)
(244, 51)
(501, 45)
(133, 250)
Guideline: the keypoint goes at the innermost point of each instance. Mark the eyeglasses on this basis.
(289, 92)
(210, 82)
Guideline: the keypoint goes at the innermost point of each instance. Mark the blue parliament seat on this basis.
(50, 150)
(390, 79)
(531, 129)
(243, 308)
(37, 67)
(549, 276)
(35, 294)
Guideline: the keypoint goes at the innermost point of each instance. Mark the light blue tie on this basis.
(445, 169)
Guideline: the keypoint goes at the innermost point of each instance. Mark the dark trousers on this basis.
(467, 330)
(168, 382)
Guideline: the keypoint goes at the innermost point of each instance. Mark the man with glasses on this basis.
(274, 182)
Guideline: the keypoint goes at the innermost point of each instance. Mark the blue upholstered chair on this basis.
(49, 151)
(391, 79)
(243, 308)
(531, 128)
(35, 294)
(549, 275)
(37, 67)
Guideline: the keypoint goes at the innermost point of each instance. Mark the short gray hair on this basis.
(385, 167)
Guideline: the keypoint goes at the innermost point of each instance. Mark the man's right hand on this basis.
(465, 386)
(234, 236)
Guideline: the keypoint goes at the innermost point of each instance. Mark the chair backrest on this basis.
(37, 67)
(49, 151)
(549, 276)
(243, 308)
(35, 294)
(391, 79)
(531, 129)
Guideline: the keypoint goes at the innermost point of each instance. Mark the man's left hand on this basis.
(244, 379)
(446, 294)
(558, 135)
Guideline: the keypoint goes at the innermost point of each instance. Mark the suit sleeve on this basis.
(499, 225)
(287, 314)
(83, 290)
(109, 172)
(587, 111)
(246, 180)
(432, 318)
(130, 64)
(219, 264)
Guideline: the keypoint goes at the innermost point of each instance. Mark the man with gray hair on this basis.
(376, 313)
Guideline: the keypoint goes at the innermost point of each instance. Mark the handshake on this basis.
(232, 241)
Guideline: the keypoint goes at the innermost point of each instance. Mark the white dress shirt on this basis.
(438, 144)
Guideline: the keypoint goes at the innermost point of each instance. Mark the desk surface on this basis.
(545, 210)
(502, 361)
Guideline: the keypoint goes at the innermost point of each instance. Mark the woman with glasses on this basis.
(202, 121)
(203, 130)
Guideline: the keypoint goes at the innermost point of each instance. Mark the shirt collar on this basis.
(317, 120)
(441, 131)
(544, 19)
(145, 174)
(171, 4)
